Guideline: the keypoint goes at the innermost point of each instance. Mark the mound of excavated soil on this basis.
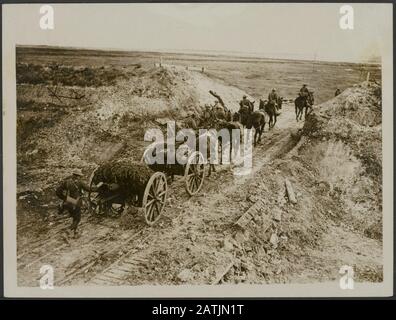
(335, 168)
(88, 123)
(333, 164)
(342, 140)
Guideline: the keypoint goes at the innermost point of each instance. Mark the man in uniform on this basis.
(70, 191)
(219, 111)
(205, 118)
(191, 121)
(304, 92)
(245, 102)
(273, 98)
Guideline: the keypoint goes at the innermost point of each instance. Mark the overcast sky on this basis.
(302, 31)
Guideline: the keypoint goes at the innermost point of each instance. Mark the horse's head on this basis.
(311, 98)
(280, 100)
(244, 109)
(228, 115)
(236, 116)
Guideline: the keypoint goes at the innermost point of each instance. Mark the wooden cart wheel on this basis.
(194, 173)
(91, 205)
(154, 197)
(85, 205)
(143, 159)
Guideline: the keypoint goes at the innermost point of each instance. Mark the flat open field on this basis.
(254, 76)
(80, 108)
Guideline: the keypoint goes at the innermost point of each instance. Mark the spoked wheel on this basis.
(92, 205)
(154, 197)
(85, 205)
(194, 173)
(145, 154)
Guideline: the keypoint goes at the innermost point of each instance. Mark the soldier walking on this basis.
(70, 191)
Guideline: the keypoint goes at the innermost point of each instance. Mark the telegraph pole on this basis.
(313, 64)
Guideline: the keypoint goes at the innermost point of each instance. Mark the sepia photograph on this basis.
(172, 147)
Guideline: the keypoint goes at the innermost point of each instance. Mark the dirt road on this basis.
(105, 243)
(195, 241)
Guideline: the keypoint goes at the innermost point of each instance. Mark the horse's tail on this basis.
(263, 123)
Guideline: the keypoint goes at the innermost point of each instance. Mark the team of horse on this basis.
(219, 117)
(267, 113)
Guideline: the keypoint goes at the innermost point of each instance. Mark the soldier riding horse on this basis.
(271, 107)
(304, 100)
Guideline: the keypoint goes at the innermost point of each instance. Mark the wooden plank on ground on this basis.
(254, 210)
(223, 273)
(290, 191)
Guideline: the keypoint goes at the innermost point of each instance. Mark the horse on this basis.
(271, 110)
(228, 116)
(222, 114)
(218, 124)
(279, 102)
(215, 112)
(219, 112)
(248, 104)
(302, 102)
(230, 126)
(249, 120)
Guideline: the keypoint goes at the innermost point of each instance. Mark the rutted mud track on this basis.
(196, 240)
(108, 253)
(114, 251)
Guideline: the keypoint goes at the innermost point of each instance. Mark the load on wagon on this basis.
(124, 182)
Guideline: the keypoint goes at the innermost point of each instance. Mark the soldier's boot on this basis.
(76, 220)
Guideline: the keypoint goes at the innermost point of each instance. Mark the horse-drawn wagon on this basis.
(141, 184)
(190, 165)
(120, 183)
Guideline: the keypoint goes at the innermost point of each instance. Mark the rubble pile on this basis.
(343, 141)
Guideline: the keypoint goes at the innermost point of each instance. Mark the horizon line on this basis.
(234, 54)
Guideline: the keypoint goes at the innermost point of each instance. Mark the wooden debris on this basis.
(250, 213)
(225, 271)
(274, 240)
(277, 215)
(290, 191)
(53, 94)
(75, 96)
(244, 219)
(217, 97)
